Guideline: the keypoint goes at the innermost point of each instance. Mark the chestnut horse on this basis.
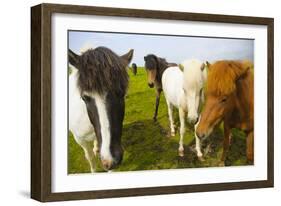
(229, 99)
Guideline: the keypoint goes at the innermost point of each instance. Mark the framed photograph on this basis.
(129, 102)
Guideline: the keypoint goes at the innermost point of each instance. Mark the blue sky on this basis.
(173, 48)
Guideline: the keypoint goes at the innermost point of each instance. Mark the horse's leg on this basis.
(170, 113)
(198, 147)
(96, 147)
(182, 131)
(198, 143)
(158, 93)
(226, 140)
(250, 147)
(87, 146)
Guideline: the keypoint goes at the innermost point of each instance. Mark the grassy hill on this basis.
(148, 145)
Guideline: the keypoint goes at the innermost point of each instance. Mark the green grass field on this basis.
(148, 145)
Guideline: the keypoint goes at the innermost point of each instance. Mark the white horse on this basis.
(97, 86)
(183, 91)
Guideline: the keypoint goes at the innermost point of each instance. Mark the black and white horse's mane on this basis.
(101, 70)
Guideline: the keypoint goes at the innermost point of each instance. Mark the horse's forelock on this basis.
(221, 78)
(102, 71)
(151, 62)
(193, 75)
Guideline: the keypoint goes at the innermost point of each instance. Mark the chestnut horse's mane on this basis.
(223, 75)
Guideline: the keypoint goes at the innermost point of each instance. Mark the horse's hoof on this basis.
(208, 149)
(154, 119)
(181, 153)
(201, 159)
(221, 164)
(173, 134)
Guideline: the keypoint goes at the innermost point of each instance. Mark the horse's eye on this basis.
(86, 98)
(223, 99)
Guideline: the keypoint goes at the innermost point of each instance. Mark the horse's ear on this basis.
(248, 63)
(203, 66)
(240, 69)
(128, 56)
(207, 64)
(144, 58)
(242, 73)
(73, 58)
(181, 67)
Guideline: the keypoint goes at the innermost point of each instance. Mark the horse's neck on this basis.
(244, 97)
(163, 65)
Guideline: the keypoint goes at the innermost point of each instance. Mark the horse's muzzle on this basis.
(194, 121)
(151, 85)
(107, 165)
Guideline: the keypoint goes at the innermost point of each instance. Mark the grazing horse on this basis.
(96, 103)
(183, 91)
(134, 68)
(229, 99)
(155, 66)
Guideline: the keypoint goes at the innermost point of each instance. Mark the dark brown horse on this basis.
(229, 99)
(155, 66)
(134, 68)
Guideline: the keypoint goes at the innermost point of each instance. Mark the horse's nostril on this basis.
(150, 85)
(196, 120)
(107, 165)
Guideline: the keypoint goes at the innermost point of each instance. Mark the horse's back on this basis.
(172, 82)
(79, 123)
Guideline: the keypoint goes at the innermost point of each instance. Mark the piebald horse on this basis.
(229, 99)
(183, 90)
(155, 66)
(97, 87)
